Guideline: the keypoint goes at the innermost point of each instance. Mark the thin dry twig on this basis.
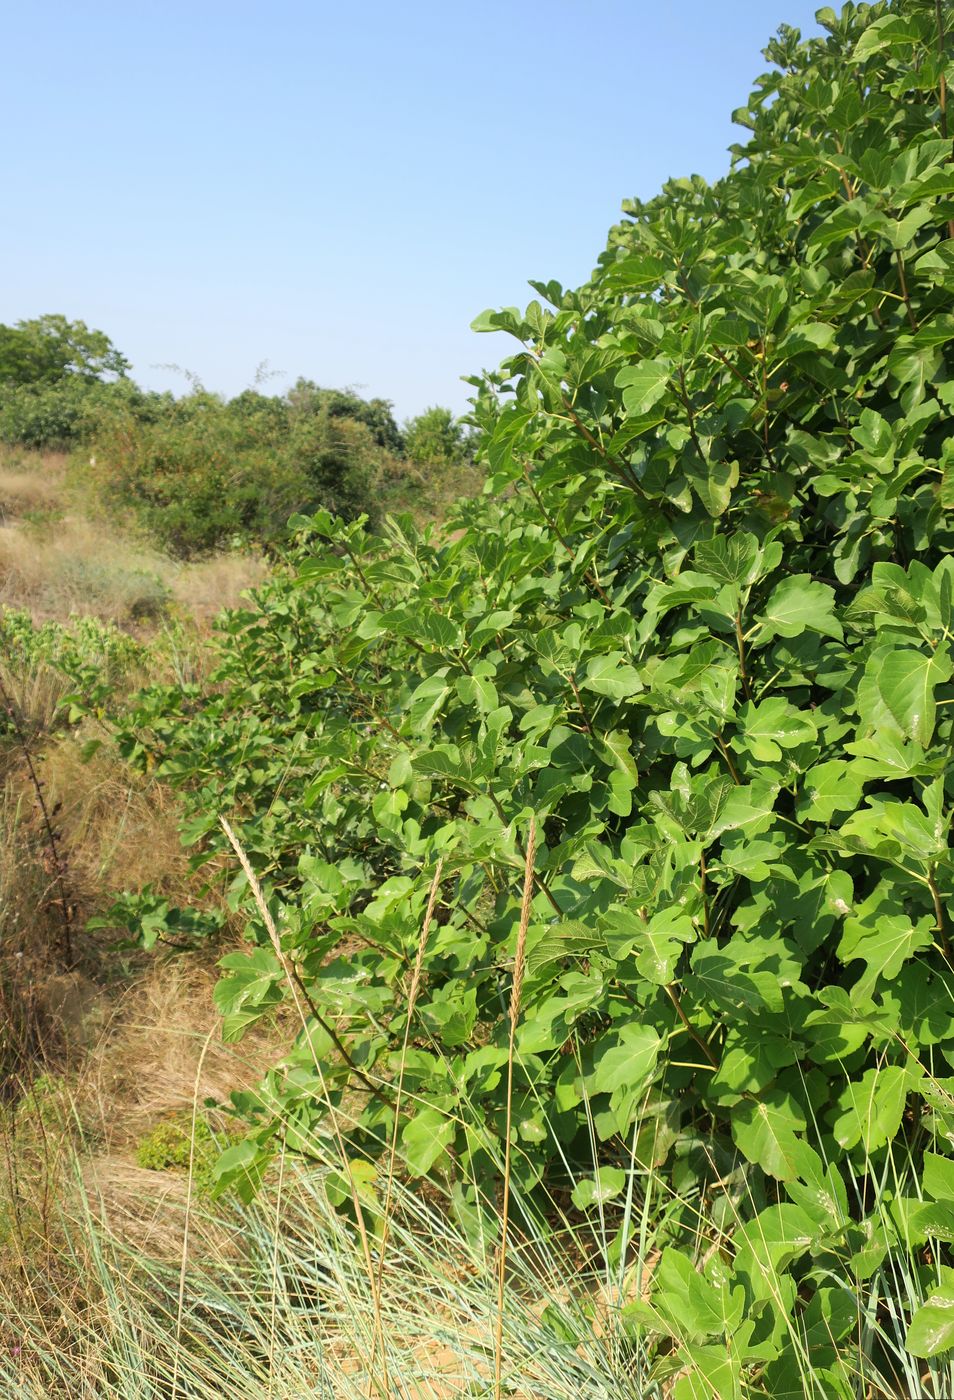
(297, 992)
(392, 1155)
(516, 990)
(180, 1305)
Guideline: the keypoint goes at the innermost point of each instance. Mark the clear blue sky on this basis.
(340, 188)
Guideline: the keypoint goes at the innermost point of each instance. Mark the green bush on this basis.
(173, 1143)
(436, 436)
(699, 630)
(194, 475)
(54, 374)
(201, 472)
(51, 349)
(58, 415)
(93, 658)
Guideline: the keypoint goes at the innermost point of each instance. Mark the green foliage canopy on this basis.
(700, 628)
(436, 436)
(51, 348)
(202, 472)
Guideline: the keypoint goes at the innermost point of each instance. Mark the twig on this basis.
(733, 771)
(942, 86)
(691, 419)
(691, 1029)
(59, 865)
(620, 468)
(939, 913)
(590, 577)
(579, 702)
(180, 1303)
(392, 1156)
(516, 990)
(298, 990)
(912, 319)
(740, 643)
(294, 985)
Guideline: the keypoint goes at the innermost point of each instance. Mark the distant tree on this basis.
(435, 436)
(49, 349)
(306, 397)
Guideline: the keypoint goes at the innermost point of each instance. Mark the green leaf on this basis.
(770, 1132)
(797, 605)
(600, 1189)
(611, 676)
(619, 747)
(872, 1108)
(715, 1375)
(570, 938)
(658, 940)
(897, 691)
(770, 727)
(835, 786)
(624, 1060)
(240, 1168)
(748, 1064)
(938, 1178)
(714, 484)
(885, 943)
(694, 1307)
(253, 987)
(889, 32)
(732, 558)
(643, 385)
(932, 1327)
(425, 1139)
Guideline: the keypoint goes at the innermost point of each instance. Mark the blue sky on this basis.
(340, 188)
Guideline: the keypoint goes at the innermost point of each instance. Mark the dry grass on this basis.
(73, 560)
(141, 1045)
(426, 492)
(204, 588)
(143, 1048)
(115, 1279)
(24, 491)
(120, 829)
(79, 567)
(144, 1067)
(30, 936)
(35, 692)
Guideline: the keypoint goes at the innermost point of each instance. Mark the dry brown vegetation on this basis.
(60, 557)
(70, 1011)
(97, 1046)
(29, 484)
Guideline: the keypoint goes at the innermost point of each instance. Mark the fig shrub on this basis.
(699, 629)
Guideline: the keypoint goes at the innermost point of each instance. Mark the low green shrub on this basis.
(89, 658)
(58, 415)
(205, 473)
(175, 1143)
(85, 644)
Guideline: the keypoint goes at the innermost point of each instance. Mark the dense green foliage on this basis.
(50, 349)
(699, 627)
(202, 472)
(436, 436)
(54, 374)
(92, 658)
